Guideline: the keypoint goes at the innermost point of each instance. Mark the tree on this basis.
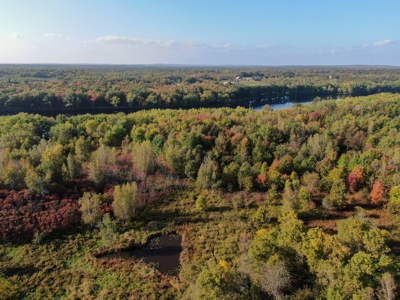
(291, 230)
(394, 200)
(261, 216)
(274, 278)
(337, 193)
(144, 158)
(8, 290)
(82, 148)
(208, 175)
(260, 153)
(262, 178)
(37, 182)
(115, 135)
(318, 145)
(191, 169)
(290, 199)
(174, 156)
(387, 290)
(96, 172)
(351, 232)
(246, 177)
(378, 191)
(99, 164)
(229, 176)
(73, 167)
(90, 208)
(356, 179)
(125, 201)
(108, 229)
(12, 174)
(201, 203)
(305, 196)
(311, 181)
(285, 165)
(52, 162)
(115, 101)
(313, 247)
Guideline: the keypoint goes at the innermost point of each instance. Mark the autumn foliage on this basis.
(355, 179)
(378, 191)
(22, 215)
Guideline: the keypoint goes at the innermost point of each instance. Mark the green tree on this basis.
(337, 194)
(108, 230)
(83, 148)
(174, 156)
(393, 206)
(100, 163)
(201, 203)
(260, 153)
(8, 290)
(290, 198)
(191, 169)
(246, 177)
(37, 182)
(313, 247)
(12, 174)
(90, 208)
(52, 162)
(73, 167)
(125, 201)
(144, 158)
(208, 175)
(115, 101)
(229, 176)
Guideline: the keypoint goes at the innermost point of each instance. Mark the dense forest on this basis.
(24, 88)
(301, 203)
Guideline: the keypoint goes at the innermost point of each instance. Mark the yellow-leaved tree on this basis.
(125, 201)
(90, 208)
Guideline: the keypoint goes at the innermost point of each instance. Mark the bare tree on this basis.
(387, 290)
(274, 278)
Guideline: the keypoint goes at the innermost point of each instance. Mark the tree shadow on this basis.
(220, 209)
(20, 271)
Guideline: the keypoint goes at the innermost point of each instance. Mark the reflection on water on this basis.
(277, 103)
(282, 105)
(161, 252)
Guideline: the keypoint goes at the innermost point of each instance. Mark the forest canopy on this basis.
(52, 87)
(301, 203)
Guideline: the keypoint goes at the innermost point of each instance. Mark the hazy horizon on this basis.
(210, 33)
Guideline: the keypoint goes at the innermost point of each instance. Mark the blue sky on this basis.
(200, 32)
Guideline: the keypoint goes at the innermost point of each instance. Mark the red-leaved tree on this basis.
(355, 180)
(378, 191)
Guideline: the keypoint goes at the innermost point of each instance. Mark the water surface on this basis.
(161, 252)
(279, 106)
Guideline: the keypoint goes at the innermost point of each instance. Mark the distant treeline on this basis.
(80, 87)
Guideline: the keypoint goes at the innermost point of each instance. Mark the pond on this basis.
(283, 102)
(161, 252)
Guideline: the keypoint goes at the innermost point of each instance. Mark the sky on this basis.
(218, 32)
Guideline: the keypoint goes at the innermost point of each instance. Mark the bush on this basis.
(201, 203)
